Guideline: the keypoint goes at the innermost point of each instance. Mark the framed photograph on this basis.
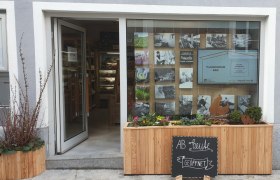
(141, 108)
(203, 104)
(141, 57)
(142, 93)
(164, 74)
(142, 75)
(241, 41)
(228, 100)
(186, 57)
(164, 92)
(164, 40)
(141, 39)
(167, 108)
(189, 40)
(218, 41)
(243, 102)
(186, 78)
(185, 104)
(164, 57)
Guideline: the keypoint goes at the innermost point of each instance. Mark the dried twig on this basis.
(20, 122)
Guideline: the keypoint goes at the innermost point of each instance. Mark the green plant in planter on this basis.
(254, 113)
(199, 120)
(148, 120)
(235, 117)
(20, 122)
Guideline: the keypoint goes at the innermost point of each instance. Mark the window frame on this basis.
(3, 34)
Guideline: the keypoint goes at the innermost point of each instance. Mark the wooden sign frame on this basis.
(194, 156)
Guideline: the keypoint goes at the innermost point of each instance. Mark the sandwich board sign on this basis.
(194, 157)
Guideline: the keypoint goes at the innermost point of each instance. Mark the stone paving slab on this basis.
(105, 174)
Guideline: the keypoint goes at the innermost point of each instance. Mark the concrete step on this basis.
(85, 162)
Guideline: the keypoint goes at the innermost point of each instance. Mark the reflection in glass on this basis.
(73, 75)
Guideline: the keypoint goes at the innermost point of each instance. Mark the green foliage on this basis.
(149, 120)
(31, 146)
(200, 120)
(199, 117)
(255, 113)
(130, 118)
(195, 122)
(235, 117)
(176, 117)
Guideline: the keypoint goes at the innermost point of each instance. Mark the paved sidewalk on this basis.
(100, 174)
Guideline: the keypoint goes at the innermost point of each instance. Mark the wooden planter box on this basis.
(242, 149)
(21, 165)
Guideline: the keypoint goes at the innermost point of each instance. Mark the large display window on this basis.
(180, 67)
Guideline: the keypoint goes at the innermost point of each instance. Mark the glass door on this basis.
(70, 74)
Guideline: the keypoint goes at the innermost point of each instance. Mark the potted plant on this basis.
(22, 152)
(252, 115)
(235, 117)
(242, 149)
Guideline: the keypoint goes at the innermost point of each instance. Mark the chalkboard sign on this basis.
(194, 156)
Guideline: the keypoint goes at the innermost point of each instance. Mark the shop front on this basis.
(172, 60)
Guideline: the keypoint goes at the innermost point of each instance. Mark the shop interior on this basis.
(102, 89)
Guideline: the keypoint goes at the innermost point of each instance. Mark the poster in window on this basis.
(186, 57)
(165, 108)
(141, 39)
(164, 57)
(243, 102)
(141, 57)
(142, 75)
(164, 74)
(164, 40)
(186, 78)
(227, 66)
(185, 104)
(218, 41)
(72, 54)
(203, 104)
(189, 40)
(164, 92)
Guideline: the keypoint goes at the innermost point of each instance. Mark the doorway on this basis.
(87, 86)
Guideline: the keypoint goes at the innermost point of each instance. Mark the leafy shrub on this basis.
(149, 120)
(199, 120)
(235, 117)
(255, 113)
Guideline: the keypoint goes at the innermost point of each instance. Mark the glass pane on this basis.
(2, 64)
(72, 68)
(181, 67)
(4, 89)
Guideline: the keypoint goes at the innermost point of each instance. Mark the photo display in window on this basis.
(181, 67)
